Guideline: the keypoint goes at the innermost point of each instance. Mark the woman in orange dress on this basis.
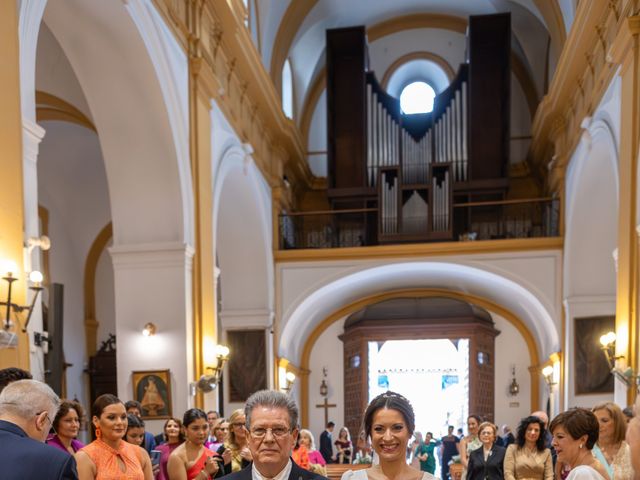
(109, 457)
(192, 460)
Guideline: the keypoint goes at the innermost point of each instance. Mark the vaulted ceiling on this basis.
(295, 30)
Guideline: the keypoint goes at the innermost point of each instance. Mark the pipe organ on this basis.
(414, 168)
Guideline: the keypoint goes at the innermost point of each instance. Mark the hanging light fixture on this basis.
(514, 387)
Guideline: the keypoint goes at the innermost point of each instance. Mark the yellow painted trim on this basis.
(414, 21)
(90, 266)
(357, 305)
(420, 249)
(50, 107)
(291, 21)
(435, 58)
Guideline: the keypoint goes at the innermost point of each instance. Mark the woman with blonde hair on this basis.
(611, 450)
(487, 461)
(235, 450)
(316, 460)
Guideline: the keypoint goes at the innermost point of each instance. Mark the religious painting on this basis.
(247, 363)
(592, 374)
(152, 388)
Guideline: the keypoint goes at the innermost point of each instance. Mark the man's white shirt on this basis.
(283, 475)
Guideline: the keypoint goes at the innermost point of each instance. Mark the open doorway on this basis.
(433, 374)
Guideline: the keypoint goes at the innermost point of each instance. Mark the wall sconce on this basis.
(514, 387)
(9, 270)
(547, 373)
(149, 330)
(608, 347)
(209, 382)
(290, 378)
(324, 388)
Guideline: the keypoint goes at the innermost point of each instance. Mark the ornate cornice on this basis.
(583, 73)
(228, 68)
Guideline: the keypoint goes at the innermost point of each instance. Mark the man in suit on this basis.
(326, 443)
(27, 408)
(271, 421)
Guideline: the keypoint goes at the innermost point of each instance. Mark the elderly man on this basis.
(27, 408)
(272, 419)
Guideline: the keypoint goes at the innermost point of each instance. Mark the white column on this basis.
(32, 135)
(153, 283)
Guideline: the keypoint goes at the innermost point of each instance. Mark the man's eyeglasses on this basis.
(278, 432)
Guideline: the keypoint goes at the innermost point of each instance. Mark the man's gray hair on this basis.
(28, 398)
(272, 399)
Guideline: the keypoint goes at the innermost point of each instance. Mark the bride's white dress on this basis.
(362, 475)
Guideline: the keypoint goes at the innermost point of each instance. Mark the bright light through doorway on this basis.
(432, 374)
(417, 97)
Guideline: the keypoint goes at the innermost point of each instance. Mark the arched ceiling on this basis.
(296, 30)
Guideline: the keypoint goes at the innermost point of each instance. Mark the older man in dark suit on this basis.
(27, 408)
(271, 420)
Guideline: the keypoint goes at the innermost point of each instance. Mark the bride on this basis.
(390, 422)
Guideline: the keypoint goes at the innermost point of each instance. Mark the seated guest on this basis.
(192, 460)
(528, 457)
(575, 432)
(26, 410)
(173, 437)
(66, 426)
(316, 460)
(135, 430)
(272, 417)
(611, 450)
(12, 374)
(486, 462)
(135, 408)
(109, 455)
(343, 446)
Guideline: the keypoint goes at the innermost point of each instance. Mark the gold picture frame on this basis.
(152, 388)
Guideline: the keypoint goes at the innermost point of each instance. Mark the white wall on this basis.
(326, 352)
(511, 351)
(105, 299)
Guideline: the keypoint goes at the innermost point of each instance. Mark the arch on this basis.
(437, 59)
(51, 107)
(291, 21)
(134, 77)
(303, 317)
(243, 227)
(592, 194)
(358, 304)
(90, 267)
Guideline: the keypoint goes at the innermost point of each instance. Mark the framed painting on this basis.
(152, 388)
(592, 374)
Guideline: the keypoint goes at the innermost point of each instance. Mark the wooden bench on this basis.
(335, 470)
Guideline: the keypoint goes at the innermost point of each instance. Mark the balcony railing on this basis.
(474, 221)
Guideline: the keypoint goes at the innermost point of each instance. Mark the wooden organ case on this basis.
(415, 169)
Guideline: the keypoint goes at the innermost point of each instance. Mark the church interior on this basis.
(226, 196)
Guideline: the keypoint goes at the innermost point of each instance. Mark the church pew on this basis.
(335, 470)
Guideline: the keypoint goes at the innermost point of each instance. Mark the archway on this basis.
(591, 236)
(243, 233)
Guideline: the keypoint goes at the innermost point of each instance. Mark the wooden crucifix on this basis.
(326, 405)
